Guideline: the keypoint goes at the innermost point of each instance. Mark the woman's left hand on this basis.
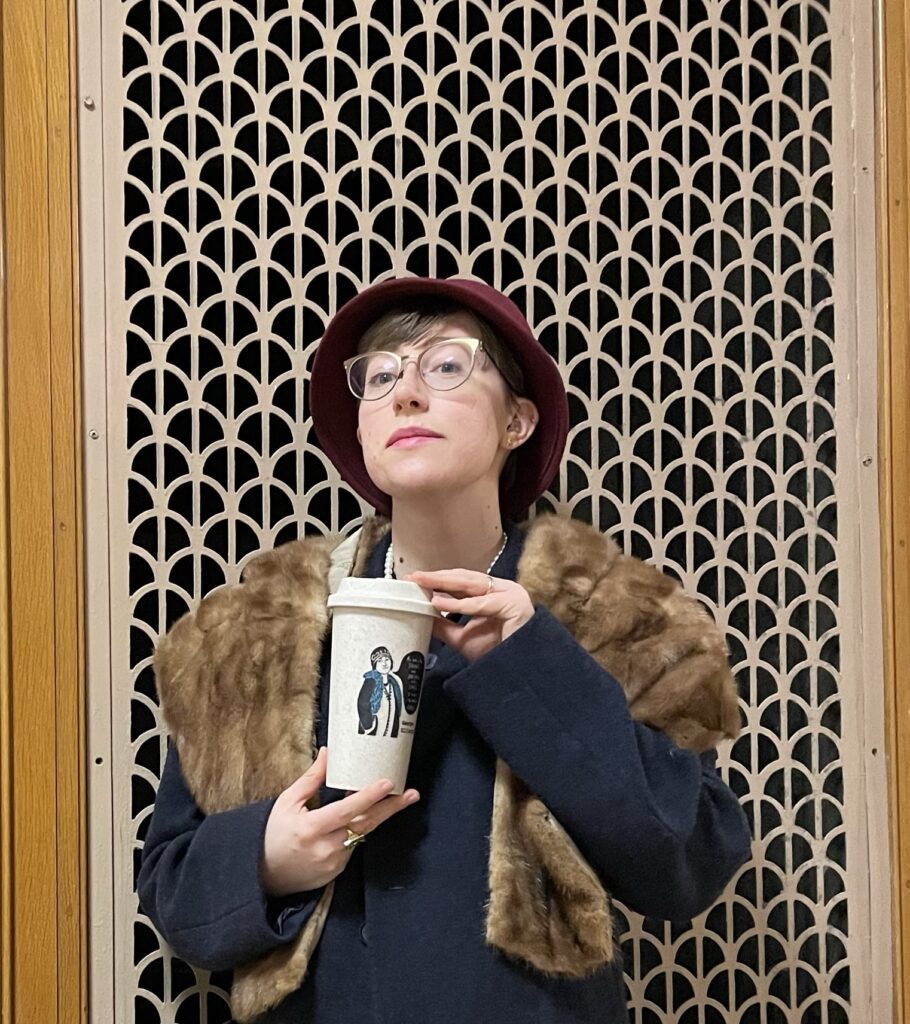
(495, 614)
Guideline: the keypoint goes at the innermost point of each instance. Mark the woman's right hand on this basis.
(305, 849)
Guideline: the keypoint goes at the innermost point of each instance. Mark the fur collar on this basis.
(238, 682)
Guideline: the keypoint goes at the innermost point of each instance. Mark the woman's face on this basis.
(384, 664)
(470, 423)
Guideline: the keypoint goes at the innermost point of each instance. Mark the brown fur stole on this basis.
(238, 684)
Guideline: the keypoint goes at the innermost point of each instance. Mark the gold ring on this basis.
(489, 583)
(353, 838)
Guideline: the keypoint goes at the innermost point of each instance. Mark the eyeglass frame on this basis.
(474, 344)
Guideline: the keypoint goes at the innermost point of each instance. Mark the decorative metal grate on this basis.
(652, 182)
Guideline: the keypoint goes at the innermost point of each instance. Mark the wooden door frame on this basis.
(893, 201)
(43, 875)
(43, 878)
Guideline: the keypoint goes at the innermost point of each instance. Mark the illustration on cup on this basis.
(380, 699)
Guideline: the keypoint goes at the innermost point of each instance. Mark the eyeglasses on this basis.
(443, 366)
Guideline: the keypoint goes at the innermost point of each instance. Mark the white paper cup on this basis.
(381, 631)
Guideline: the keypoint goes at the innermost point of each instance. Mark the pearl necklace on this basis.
(390, 558)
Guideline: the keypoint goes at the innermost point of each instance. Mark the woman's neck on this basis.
(452, 533)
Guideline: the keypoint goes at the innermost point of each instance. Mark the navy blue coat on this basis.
(404, 940)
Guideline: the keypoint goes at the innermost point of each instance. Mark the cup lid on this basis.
(393, 595)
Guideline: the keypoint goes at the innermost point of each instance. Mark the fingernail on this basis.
(412, 798)
(386, 785)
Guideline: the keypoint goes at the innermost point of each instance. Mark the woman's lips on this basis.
(412, 442)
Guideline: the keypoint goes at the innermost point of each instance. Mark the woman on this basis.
(379, 701)
(564, 751)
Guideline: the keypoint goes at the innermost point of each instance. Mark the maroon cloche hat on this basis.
(334, 408)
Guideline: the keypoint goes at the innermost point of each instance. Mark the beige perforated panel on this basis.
(654, 184)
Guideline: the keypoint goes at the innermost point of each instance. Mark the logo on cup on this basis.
(380, 698)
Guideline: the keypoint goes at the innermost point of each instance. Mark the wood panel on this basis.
(41, 729)
(894, 251)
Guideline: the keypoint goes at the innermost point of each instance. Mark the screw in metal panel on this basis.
(93, 434)
(88, 103)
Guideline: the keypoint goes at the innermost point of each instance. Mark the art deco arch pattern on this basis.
(652, 182)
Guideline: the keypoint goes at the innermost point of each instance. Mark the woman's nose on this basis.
(410, 391)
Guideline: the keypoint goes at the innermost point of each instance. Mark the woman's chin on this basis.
(423, 474)
(410, 486)
(413, 489)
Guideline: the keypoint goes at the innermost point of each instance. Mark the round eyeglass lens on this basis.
(373, 375)
(446, 364)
